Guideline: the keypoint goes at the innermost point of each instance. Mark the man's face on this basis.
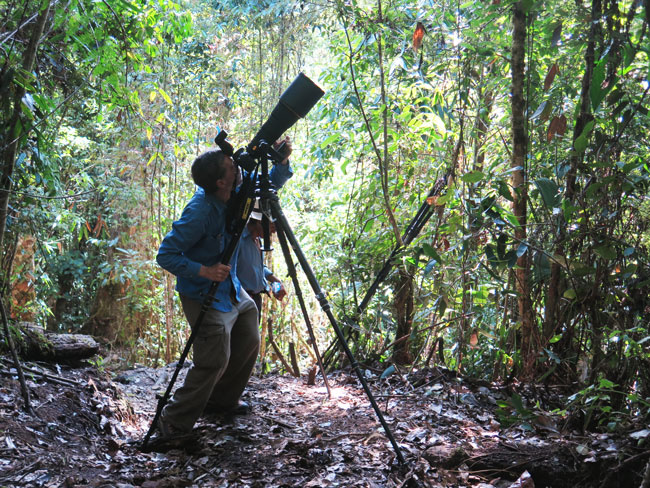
(255, 228)
(230, 174)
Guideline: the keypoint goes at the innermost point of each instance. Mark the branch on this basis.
(14, 354)
(380, 160)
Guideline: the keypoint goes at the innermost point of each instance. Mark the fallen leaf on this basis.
(524, 481)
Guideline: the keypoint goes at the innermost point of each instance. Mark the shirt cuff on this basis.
(194, 268)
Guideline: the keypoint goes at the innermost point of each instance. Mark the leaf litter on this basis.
(452, 432)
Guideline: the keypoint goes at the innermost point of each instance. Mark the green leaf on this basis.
(504, 191)
(511, 257)
(330, 139)
(473, 176)
(598, 92)
(165, 96)
(129, 6)
(549, 191)
(605, 383)
(431, 252)
(517, 403)
(510, 217)
(606, 252)
(442, 199)
(629, 54)
(570, 294)
(580, 144)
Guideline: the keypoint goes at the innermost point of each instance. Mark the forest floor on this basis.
(86, 426)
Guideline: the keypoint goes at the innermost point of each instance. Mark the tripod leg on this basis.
(294, 278)
(283, 224)
(162, 401)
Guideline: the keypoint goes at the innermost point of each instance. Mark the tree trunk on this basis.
(404, 313)
(519, 189)
(15, 130)
(556, 286)
(23, 293)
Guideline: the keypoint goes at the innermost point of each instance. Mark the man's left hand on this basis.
(278, 290)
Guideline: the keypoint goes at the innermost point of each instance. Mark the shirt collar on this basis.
(211, 199)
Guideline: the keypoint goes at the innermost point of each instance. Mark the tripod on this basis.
(286, 237)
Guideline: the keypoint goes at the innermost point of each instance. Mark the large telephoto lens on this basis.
(295, 103)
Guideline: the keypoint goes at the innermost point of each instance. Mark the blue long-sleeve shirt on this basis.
(280, 174)
(198, 238)
(251, 271)
(250, 267)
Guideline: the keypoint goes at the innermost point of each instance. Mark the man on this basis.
(227, 343)
(253, 275)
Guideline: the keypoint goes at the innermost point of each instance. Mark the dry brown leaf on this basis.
(550, 76)
(473, 340)
(418, 35)
(557, 127)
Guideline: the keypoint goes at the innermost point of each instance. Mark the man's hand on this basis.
(278, 290)
(216, 272)
(287, 149)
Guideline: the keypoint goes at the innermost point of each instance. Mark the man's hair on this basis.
(207, 169)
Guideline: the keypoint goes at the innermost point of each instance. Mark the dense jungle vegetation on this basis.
(532, 117)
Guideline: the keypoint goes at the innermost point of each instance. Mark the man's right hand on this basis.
(217, 272)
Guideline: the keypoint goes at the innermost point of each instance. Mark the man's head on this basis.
(255, 225)
(255, 228)
(215, 172)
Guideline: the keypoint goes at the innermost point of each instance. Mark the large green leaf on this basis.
(606, 252)
(473, 176)
(549, 191)
(599, 88)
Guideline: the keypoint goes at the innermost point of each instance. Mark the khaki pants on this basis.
(225, 350)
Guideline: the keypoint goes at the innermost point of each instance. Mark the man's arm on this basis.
(185, 233)
(280, 173)
(278, 290)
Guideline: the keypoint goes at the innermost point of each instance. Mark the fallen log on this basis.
(35, 343)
